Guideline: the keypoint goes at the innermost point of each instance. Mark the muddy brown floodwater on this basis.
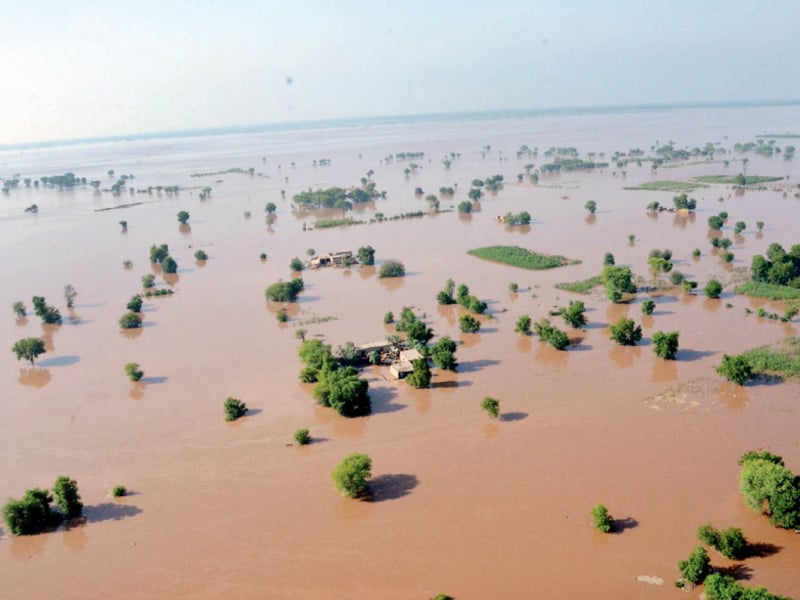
(462, 505)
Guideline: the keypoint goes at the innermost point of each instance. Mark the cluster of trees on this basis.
(160, 255)
(33, 514)
(716, 222)
(337, 386)
(462, 297)
(523, 218)
(731, 542)
(683, 202)
(48, 314)
(336, 197)
(551, 334)
(392, 268)
(769, 487)
(725, 587)
(778, 267)
(617, 281)
(284, 291)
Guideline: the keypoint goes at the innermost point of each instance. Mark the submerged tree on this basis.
(350, 476)
(491, 406)
(28, 349)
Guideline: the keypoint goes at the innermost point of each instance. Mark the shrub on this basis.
(550, 334)
(263, 256)
(696, 252)
(469, 324)
(491, 406)
(392, 268)
(602, 520)
(296, 265)
(608, 259)
(626, 332)
(697, 567)
(665, 345)
(133, 371)
(523, 325)
(350, 476)
(168, 265)
(443, 354)
(420, 377)
(648, 306)
(284, 291)
(727, 256)
(617, 281)
(302, 437)
(282, 315)
(344, 391)
(739, 227)
(713, 288)
(183, 217)
(770, 488)
(676, 278)
(67, 499)
(465, 207)
(366, 255)
(200, 255)
(130, 320)
(19, 309)
(28, 348)
(736, 368)
(30, 515)
(708, 535)
(591, 206)
(573, 314)
(148, 280)
(135, 304)
(388, 317)
(234, 409)
(118, 491)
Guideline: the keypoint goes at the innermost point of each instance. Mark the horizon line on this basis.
(388, 120)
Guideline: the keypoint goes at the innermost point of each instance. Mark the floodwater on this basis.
(463, 506)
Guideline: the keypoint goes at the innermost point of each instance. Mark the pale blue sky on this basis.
(84, 68)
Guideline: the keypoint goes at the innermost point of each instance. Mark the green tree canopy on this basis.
(28, 349)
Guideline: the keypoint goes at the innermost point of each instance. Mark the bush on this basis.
(665, 345)
(591, 206)
(19, 309)
(770, 488)
(302, 437)
(608, 260)
(392, 268)
(28, 348)
(284, 291)
(602, 520)
(388, 317)
(443, 354)
(708, 535)
(183, 217)
(491, 406)
(523, 325)
(148, 280)
(67, 499)
(696, 252)
(135, 304)
(342, 390)
(200, 255)
(573, 314)
(133, 371)
(465, 207)
(366, 255)
(469, 324)
(648, 306)
(119, 491)
(626, 332)
(676, 278)
(168, 265)
(736, 368)
(550, 334)
(713, 288)
(30, 515)
(420, 377)
(296, 265)
(697, 567)
(263, 256)
(234, 409)
(617, 281)
(282, 315)
(350, 476)
(130, 320)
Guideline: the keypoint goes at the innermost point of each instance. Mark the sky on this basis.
(88, 68)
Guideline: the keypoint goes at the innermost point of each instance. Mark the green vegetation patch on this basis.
(780, 359)
(520, 257)
(583, 286)
(326, 223)
(667, 186)
(761, 289)
(737, 179)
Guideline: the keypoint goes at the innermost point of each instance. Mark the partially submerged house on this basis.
(364, 350)
(405, 363)
(333, 259)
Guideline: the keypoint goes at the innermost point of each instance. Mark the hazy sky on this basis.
(84, 68)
